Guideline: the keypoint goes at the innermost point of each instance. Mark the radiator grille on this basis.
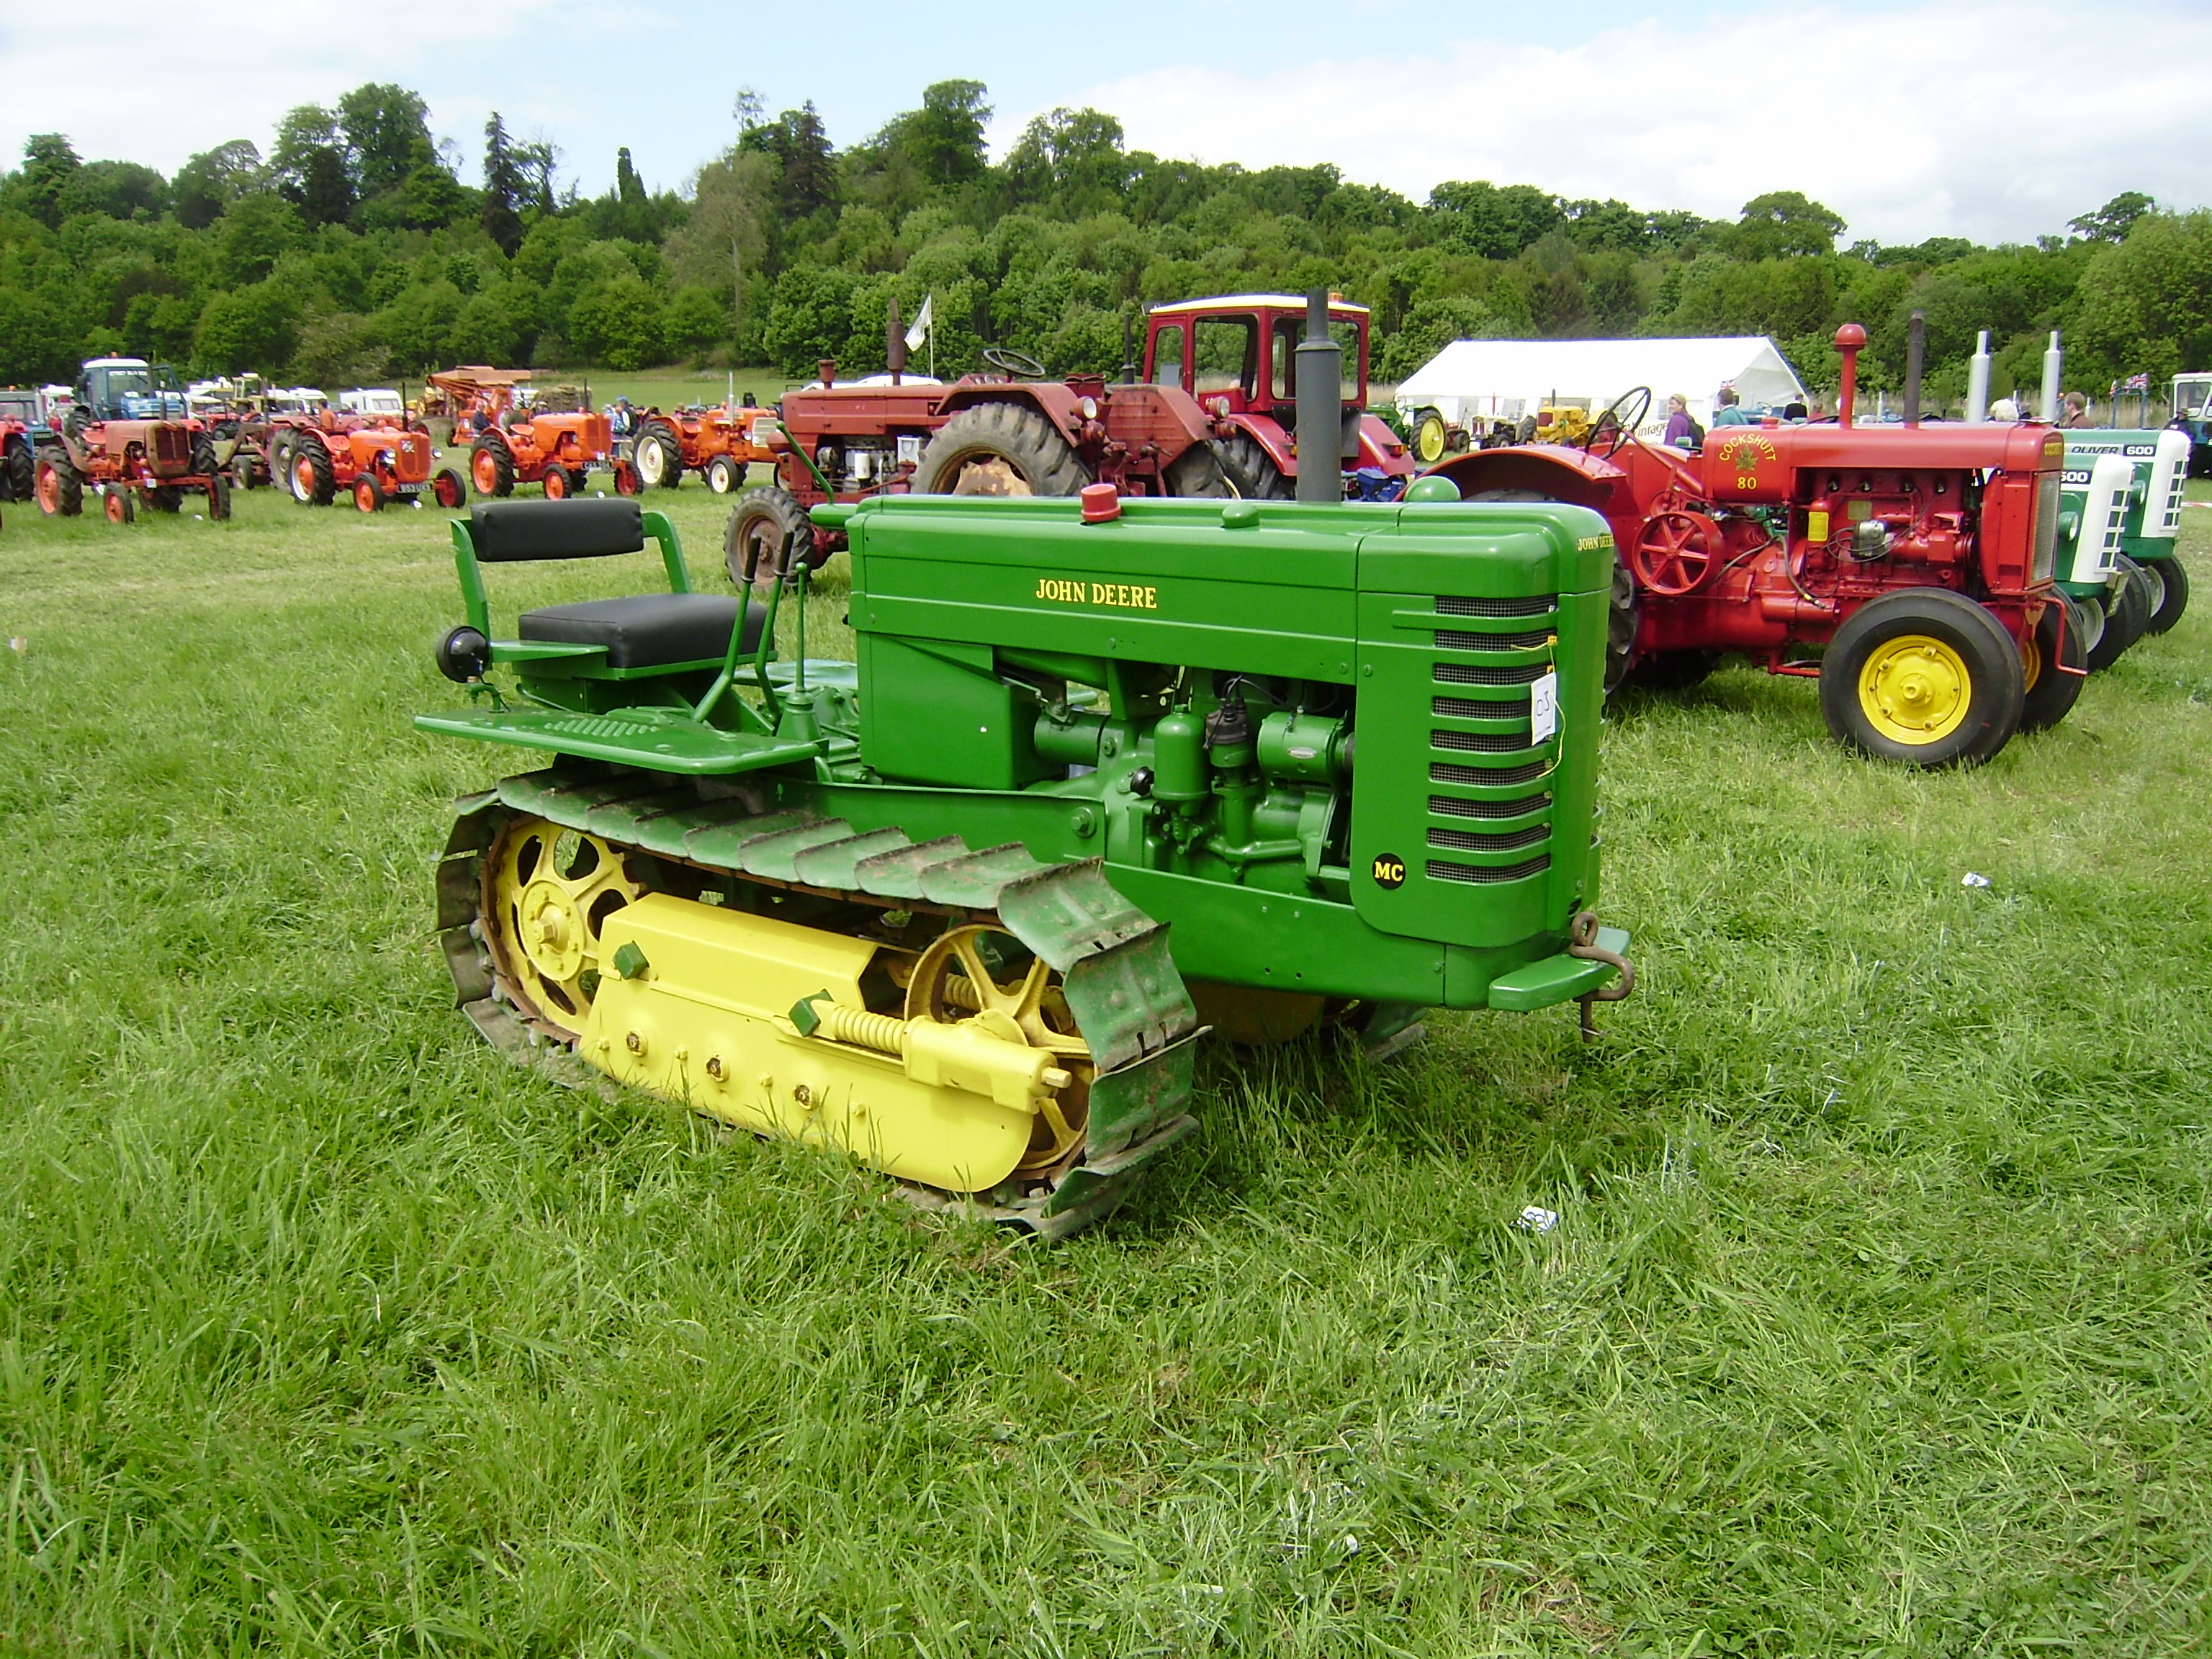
(1479, 709)
(1439, 871)
(1534, 604)
(1480, 777)
(1478, 673)
(1481, 743)
(1452, 806)
(1452, 639)
(1472, 841)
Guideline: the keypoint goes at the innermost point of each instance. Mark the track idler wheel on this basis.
(547, 892)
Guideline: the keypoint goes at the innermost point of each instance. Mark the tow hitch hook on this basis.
(1581, 941)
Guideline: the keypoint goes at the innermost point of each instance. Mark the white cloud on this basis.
(1997, 122)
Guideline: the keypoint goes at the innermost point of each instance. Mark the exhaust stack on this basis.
(1849, 338)
(1916, 359)
(1320, 406)
(2054, 370)
(1977, 382)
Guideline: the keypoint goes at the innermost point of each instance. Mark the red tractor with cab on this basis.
(511, 443)
(128, 434)
(1213, 413)
(1908, 567)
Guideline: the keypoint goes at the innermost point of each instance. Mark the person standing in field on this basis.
(2076, 412)
(1680, 426)
(1729, 410)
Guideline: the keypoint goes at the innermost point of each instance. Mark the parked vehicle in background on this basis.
(379, 401)
(718, 444)
(2193, 415)
(514, 439)
(22, 412)
(127, 434)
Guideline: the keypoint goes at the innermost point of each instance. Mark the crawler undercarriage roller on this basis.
(991, 1032)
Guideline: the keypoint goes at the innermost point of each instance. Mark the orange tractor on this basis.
(718, 444)
(373, 464)
(511, 443)
(127, 434)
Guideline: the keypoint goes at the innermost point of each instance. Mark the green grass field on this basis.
(1875, 1320)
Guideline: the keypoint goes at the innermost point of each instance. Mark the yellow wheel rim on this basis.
(1915, 689)
(2031, 661)
(550, 890)
(959, 978)
(1429, 440)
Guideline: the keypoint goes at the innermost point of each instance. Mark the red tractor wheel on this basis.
(116, 503)
(314, 481)
(1675, 553)
(447, 490)
(367, 493)
(557, 484)
(491, 466)
(627, 483)
(60, 490)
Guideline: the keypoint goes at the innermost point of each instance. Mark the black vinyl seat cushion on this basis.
(647, 630)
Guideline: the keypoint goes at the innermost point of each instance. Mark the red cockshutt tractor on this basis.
(372, 464)
(1212, 414)
(127, 431)
(1908, 567)
(514, 445)
(718, 444)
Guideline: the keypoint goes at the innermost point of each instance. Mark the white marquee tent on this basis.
(1476, 381)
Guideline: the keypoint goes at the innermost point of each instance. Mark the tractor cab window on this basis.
(1289, 330)
(1225, 351)
(123, 393)
(1167, 355)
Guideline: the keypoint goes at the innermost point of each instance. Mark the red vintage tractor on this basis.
(371, 463)
(718, 444)
(510, 444)
(127, 434)
(1212, 415)
(1908, 567)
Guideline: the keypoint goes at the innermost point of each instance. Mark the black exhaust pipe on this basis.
(1320, 406)
(1916, 356)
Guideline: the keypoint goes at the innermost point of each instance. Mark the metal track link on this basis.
(1118, 980)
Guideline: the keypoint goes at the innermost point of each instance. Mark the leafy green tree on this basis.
(252, 328)
(252, 236)
(117, 189)
(37, 187)
(697, 320)
(35, 345)
(2113, 222)
(2145, 305)
(418, 326)
(727, 231)
(1430, 326)
(1494, 222)
(1783, 224)
(944, 136)
(503, 189)
(210, 181)
(387, 135)
(621, 322)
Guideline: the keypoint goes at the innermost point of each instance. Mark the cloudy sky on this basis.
(1996, 121)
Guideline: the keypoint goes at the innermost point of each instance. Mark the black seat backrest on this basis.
(511, 532)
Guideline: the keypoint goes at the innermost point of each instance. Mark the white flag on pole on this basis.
(919, 332)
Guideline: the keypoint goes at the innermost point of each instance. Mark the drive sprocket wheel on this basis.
(985, 974)
(547, 891)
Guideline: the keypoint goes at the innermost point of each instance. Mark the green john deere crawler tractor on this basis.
(1106, 774)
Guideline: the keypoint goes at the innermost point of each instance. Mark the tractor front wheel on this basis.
(491, 466)
(557, 484)
(1430, 436)
(447, 490)
(314, 482)
(2169, 593)
(116, 501)
(2127, 615)
(367, 493)
(1258, 479)
(659, 462)
(60, 486)
(998, 449)
(2053, 663)
(1925, 676)
(20, 472)
(768, 537)
(218, 498)
(627, 483)
(724, 475)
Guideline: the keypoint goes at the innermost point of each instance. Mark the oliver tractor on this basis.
(718, 444)
(1207, 419)
(127, 434)
(2121, 491)
(919, 909)
(372, 464)
(512, 445)
(1909, 568)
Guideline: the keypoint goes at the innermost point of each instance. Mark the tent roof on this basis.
(1602, 369)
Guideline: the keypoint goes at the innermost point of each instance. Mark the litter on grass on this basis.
(1972, 879)
(1538, 1220)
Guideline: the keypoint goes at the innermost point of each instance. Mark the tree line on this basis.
(355, 249)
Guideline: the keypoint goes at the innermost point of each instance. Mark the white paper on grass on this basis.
(1544, 707)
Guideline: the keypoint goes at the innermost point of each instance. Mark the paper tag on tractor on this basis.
(1544, 707)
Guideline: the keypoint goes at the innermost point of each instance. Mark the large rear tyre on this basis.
(1257, 477)
(1198, 472)
(2169, 594)
(2053, 664)
(998, 449)
(20, 472)
(491, 465)
(1622, 616)
(768, 537)
(2127, 614)
(314, 483)
(659, 461)
(1673, 671)
(58, 486)
(1923, 676)
(1430, 436)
